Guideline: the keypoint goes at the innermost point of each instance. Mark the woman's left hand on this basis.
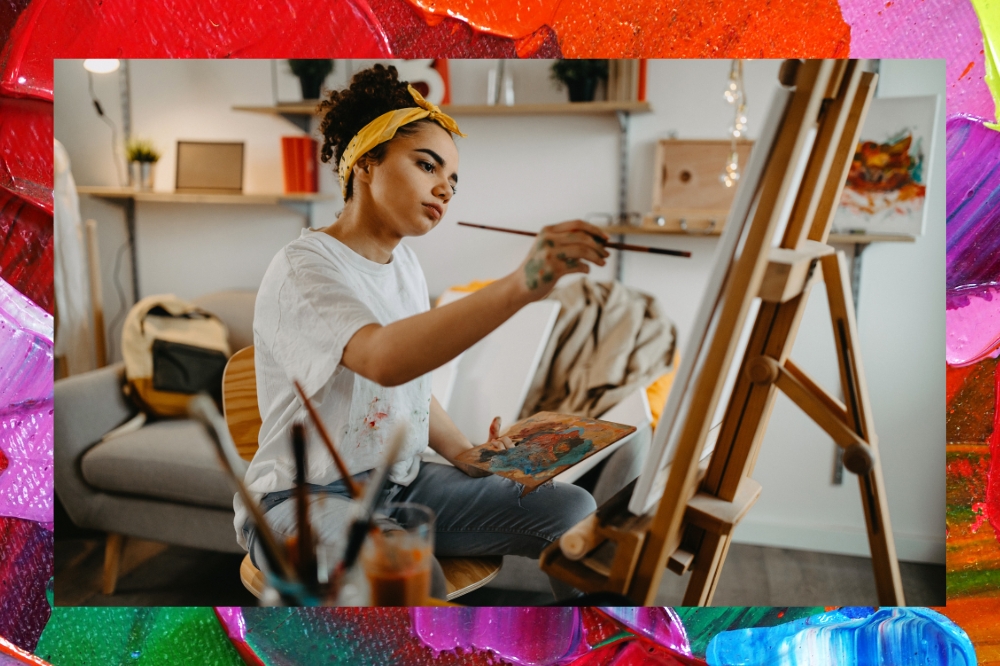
(495, 435)
(495, 438)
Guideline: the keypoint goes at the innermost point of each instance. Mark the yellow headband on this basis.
(384, 128)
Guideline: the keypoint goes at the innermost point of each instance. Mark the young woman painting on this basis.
(345, 311)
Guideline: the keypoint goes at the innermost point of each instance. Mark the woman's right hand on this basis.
(558, 250)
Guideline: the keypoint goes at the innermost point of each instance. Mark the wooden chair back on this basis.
(239, 402)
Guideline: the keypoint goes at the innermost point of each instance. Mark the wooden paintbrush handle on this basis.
(580, 539)
(610, 244)
(352, 485)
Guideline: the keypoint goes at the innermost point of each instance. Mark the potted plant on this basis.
(142, 157)
(311, 73)
(580, 77)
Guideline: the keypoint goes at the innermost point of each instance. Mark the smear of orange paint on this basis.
(663, 28)
(966, 70)
(955, 379)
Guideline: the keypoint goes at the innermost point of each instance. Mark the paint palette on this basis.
(546, 444)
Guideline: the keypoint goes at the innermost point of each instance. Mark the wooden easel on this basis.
(692, 525)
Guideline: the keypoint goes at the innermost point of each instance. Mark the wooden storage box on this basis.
(688, 195)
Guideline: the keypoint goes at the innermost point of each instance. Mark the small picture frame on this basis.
(209, 167)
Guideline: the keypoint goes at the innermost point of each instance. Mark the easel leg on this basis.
(887, 578)
(888, 581)
(706, 570)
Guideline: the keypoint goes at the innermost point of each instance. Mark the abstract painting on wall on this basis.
(887, 182)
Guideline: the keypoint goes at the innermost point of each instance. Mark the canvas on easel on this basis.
(686, 504)
(649, 487)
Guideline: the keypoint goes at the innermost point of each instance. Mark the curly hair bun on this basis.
(372, 92)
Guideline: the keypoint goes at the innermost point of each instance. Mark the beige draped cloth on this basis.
(609, 341)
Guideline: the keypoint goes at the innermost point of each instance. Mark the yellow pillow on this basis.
(658, 391)
(475, 285)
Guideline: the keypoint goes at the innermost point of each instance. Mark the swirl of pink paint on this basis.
(26, 413)
(973, 266)
(545, 635)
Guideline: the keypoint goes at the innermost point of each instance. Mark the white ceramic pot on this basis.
(142, 175)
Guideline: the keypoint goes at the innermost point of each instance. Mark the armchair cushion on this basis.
(169, 460)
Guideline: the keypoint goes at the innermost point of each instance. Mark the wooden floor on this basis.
(158, 575)
(151, 575)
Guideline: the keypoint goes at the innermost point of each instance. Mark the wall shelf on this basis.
(118, 193)
(308, 108)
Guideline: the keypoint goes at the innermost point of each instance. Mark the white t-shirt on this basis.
(315, 295)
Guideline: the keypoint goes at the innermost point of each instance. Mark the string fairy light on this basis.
(736, 95)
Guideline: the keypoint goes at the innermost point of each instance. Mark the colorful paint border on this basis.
(32, 33)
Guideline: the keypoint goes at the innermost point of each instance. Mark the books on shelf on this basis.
(298, 157)
(626, 81)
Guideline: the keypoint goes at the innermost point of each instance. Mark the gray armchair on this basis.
(161, 482)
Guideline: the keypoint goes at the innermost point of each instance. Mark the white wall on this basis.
(529, 171)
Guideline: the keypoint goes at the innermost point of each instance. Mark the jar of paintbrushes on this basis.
(397, 557)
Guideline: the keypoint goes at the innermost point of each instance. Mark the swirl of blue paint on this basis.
(886, 637)
(530, 459)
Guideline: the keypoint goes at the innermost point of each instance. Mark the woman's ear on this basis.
(362, 170)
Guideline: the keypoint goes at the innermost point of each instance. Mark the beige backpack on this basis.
(172, 350)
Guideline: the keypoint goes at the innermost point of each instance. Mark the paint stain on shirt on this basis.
(375, 415)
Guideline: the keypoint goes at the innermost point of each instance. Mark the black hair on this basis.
(371, 93)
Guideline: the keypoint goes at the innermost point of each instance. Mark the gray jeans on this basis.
(474, 517)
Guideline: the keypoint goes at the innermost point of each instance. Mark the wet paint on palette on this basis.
(545, 444)
(540, 451)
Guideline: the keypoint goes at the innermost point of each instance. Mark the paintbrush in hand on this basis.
(352, 485)
(613, 246)
(203, 409)
(306, 546)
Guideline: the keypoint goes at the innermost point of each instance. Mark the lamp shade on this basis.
(101, 65)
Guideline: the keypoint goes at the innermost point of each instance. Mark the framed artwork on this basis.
(209, 167)
(886, 186)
